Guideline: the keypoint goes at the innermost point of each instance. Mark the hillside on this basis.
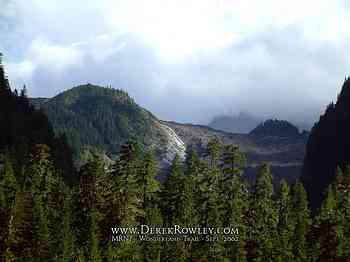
(102, 119)
(99, 119)
(328, 147)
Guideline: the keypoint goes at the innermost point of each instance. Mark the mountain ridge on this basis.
(113, 111)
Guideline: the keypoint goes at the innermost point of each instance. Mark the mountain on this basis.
(284, 153)
(328, 147)
(99, 119)
(242, 123)
(277, 128)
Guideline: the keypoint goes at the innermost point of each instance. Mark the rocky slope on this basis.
(284, 151)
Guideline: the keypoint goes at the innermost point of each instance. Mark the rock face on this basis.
(175, 145)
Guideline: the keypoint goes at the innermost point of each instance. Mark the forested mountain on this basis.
(278, 128)
(328, 147)
(99, 119)
(243, 123)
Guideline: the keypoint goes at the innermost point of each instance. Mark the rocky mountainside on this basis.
(98, 119)
(285, 152)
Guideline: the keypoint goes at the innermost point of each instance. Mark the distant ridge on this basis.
(274, 127)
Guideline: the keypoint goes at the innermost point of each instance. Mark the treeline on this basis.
(43, 219)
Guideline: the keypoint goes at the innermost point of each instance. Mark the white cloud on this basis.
(54, 56)
(22, 71)
(212, 55)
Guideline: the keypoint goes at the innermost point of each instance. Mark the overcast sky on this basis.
(184, 60)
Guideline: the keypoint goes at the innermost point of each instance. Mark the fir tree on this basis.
(150, 190)
(234, 195)
(8, 187)
(302, 222)
(68, 231)
(284, 242)
(327, 229)
(21, 242)
(263, 219)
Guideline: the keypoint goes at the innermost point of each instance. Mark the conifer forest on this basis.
(54, 210)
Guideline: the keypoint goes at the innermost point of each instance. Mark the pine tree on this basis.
(327, 229)
(234, 195)
(87, 215)
(284, 244)
(124, 174)
(150, 190)
(174, 209)
(21, 242)
(68, 231)
(8, 187)
(262, 218)
(42, 179)
(213, 151)
(302, 222)
(127, 197)
(95, 255)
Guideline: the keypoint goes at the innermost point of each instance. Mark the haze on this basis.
(184, 60)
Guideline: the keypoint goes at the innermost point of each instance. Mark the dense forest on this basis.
(45, 215)
(98, 119)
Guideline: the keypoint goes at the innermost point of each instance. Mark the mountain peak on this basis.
(89, 91)
(275, 127)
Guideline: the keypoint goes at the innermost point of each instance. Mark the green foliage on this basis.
(99, 119)
(45, 220)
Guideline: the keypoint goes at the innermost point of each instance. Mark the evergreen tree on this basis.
(124, 174)
(21, 244)
(263, 219)
(68, 231)
(213, 151)
(302, 222)
(150, 190)
(95, 255)
(326, 230)
(87, 215)
(234, 195)
(127, 197)
(284, 242)
(174, 200)
(8, 187)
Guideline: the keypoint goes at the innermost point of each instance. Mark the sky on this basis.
(184, 60)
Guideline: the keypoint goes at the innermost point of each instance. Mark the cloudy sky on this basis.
(184, 60)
